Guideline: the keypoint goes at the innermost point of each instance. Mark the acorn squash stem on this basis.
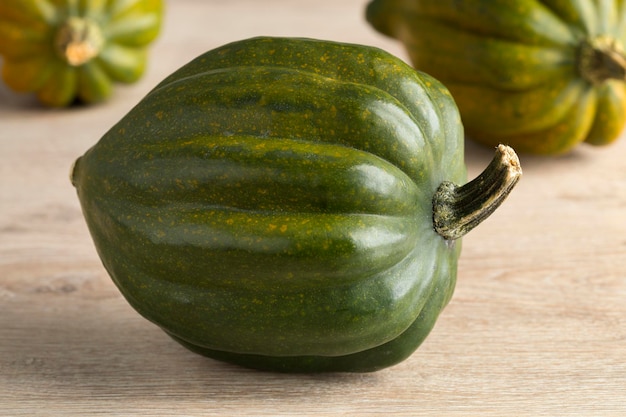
(601, 59)
(78, 40)
(458, 209)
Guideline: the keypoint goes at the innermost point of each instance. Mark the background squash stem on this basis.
(458, 209)
(79, 40)
(601, 59)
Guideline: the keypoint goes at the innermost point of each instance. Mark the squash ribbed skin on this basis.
(513, 66)
(29, 37)
(270, 204)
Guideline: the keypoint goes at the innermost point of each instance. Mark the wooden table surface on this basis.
(537, 326)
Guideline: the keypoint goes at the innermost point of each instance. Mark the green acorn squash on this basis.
(74, 50)
(542, 76)
(271, 204)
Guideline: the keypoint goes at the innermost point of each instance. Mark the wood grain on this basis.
(537, 326)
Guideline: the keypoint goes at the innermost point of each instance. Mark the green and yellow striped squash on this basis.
(75, 50)
(540, 75)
